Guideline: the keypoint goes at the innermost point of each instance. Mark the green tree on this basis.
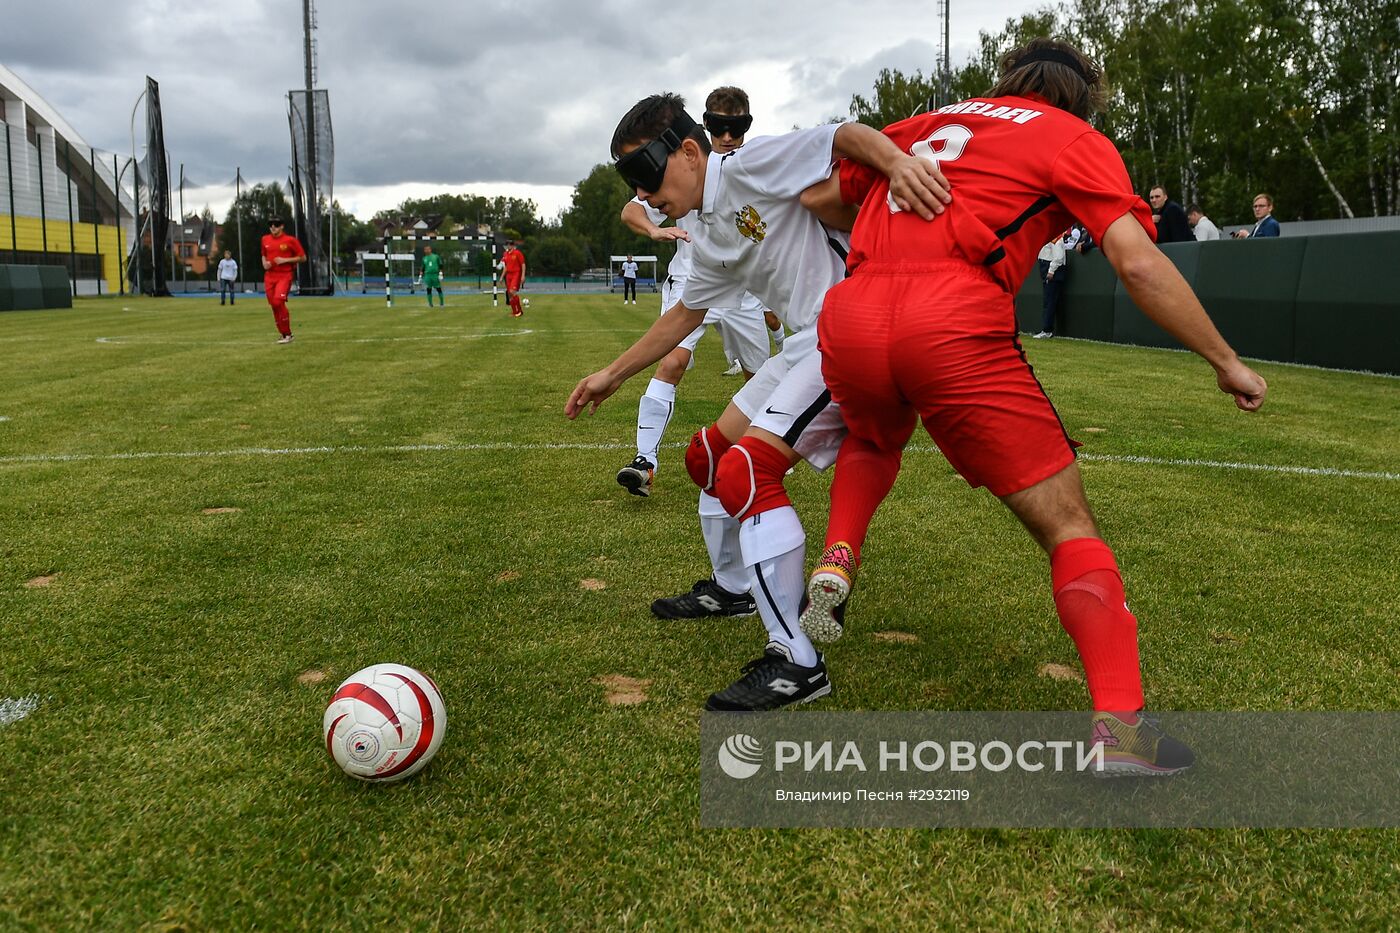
(1220, 99)
(594, 219)
(499, 212)
(895, 97)
(556, 254)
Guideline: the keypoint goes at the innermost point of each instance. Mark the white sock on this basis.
(778, 335)
(722, 541)
(653, 414)
(775, 551)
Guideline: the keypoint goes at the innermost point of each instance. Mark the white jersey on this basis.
(680, 263)
(754, 235)
(228, 269)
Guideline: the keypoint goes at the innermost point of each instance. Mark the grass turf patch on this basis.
(408, 490)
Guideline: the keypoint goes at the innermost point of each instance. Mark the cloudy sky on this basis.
(516, 98)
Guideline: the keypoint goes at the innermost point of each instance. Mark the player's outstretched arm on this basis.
(634, 216)
(661, 338)
(1164, 296)
(915, 184)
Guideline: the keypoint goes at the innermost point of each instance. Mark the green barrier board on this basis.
(1130, 325)
(1348, 305)
(1250, 289)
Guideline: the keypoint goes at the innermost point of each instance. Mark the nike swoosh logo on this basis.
(770, 411)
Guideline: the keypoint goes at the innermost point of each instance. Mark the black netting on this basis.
(158, 183)
(313, 172)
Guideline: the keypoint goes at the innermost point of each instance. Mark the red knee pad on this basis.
(702, 456)
(750, 478)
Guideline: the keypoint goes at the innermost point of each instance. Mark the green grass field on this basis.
(405, 488)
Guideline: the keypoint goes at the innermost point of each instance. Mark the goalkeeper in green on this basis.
(432, 275)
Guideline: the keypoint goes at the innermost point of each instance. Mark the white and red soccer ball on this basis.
(385, 723)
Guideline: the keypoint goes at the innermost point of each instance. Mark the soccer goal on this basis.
(396, 272)
(465, 260)
(643, 281)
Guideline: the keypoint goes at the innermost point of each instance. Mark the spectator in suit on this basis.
(1264, 223)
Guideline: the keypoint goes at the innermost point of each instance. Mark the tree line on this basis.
(1216, 100)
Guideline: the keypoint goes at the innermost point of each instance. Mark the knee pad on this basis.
(703, 455)
(749, 479)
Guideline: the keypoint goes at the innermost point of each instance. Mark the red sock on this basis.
(864, 476)
(283, 317)
(1089, 598)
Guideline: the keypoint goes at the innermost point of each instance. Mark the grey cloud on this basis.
(482, 91)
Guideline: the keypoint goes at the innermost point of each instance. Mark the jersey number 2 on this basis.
(954, 138)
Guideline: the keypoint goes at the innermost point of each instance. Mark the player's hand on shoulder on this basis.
(916, 185)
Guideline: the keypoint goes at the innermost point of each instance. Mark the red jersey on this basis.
(1021, 171)
(285, 246)
(515, 264)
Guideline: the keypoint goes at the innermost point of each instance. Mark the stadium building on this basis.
(60, 200)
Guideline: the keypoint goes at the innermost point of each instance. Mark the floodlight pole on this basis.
(184, 281)
(944, 73)
(314, 193)
(121, 273)
(238, 213)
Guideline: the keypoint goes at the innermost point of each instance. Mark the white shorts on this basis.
(743, 330)
(788, 397)
(745, 334)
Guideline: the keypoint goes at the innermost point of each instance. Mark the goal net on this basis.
(464, 264)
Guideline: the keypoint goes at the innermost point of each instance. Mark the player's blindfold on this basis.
(735, 125)
(645, 166)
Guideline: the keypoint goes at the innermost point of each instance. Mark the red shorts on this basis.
(937, 341)
(278, 287)
(512, 284)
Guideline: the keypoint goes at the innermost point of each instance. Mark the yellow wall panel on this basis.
(29, 235)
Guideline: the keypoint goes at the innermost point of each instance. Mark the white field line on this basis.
(508, 446)
(12, 710)
(130, 341)
(318, 337)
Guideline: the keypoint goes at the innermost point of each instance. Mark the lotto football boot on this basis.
(1138, 748)
(636, 477)
(706, 598)
(824, 604)
(772, 681)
